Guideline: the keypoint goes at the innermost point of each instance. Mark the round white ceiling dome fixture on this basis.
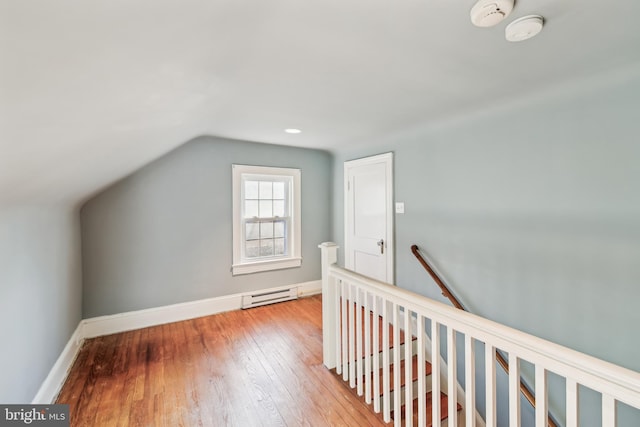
(487, 13)
(524, 28)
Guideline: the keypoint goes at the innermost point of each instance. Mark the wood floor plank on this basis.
(295, 397)
(261, 410)
(267, 378)
(257, 367)
(310, 356)
(225, 393)
(131, 342)
(248, 372)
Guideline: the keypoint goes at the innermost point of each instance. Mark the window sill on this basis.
(267, 265)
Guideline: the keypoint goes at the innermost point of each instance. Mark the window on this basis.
(266, 219)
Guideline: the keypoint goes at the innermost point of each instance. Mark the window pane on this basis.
(278, 208)
(252, 231)
(278, 190)
(250, 208)
(266, 247)
(278, 229)
(252, 249)
(266, 208)
(266, 190)
(251, 189)
(266, 230)
(267, 199)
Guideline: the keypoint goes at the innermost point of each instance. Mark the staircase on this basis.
(371, 378)
(371, 330)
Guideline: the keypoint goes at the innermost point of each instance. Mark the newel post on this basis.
(329, 256)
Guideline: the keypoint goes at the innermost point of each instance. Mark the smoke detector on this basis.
(524, 28)
(487, 13)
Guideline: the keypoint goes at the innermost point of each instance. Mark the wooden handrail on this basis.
(445, 291)
(524, 388)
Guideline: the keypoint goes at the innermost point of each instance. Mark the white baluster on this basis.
(397, 393)
(470, 379)
(609, 416)
(386, 392)
(572, 403)
(352, 336)
(541, 396)
(435, 373)
(367, 348)
(337, 299)
(376, 355)
(359, 352)
(490, 384)
(452, 377)
(514, 390)
(345, 330)
(408, 366)
(422, 386)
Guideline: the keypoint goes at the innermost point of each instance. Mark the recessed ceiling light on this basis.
(524, 28)
(292, 130)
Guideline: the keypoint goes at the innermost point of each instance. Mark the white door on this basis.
(369, 216)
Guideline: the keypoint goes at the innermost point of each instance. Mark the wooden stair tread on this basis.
(444, 409)
(380, 341)
(444, 400)
(414, 371)
(380, 330)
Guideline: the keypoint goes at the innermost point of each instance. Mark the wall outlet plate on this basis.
(400, 207)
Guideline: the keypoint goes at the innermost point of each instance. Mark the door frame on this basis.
(387, 159)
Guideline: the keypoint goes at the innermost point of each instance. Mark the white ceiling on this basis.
(92, 90)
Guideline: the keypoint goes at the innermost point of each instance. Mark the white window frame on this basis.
(293, 256)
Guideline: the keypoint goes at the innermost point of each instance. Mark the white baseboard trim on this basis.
(112, 324)
(307, 289)
(51, 386)
(121, 322)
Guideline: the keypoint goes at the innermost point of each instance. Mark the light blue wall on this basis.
(531, 211)
(164, 234)
(40, 294)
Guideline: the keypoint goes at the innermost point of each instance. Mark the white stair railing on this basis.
(348, 296)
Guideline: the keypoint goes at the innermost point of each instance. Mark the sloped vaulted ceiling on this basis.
(92, 90)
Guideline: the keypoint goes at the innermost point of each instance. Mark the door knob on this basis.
(381, 244)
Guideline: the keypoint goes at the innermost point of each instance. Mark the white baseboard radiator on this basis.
(263, 298)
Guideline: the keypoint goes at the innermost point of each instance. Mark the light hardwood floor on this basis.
(257, 367)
